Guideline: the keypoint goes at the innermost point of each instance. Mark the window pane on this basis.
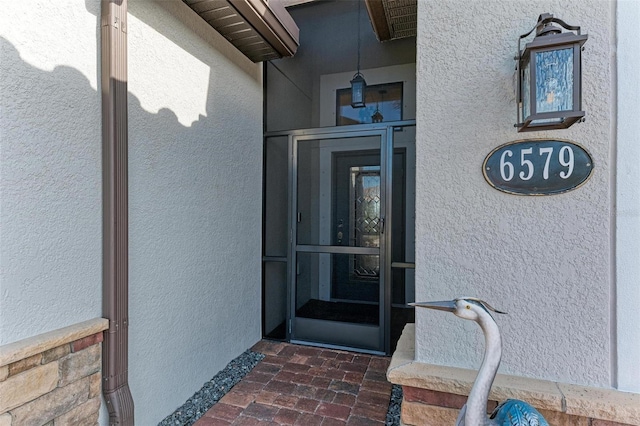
(383, 102)
(276, 194)
(323, 284)
(275, 299)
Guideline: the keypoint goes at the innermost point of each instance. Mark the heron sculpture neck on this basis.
(512, 412)
(476, 412)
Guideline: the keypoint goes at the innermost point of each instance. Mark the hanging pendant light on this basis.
(358, 84)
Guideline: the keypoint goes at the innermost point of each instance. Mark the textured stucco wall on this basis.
(544, 260)
(195, 168)
(628, 195)
(50, 167)
(195, 107)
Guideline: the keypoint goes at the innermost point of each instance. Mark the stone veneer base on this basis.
(53, 378)
(434, 394)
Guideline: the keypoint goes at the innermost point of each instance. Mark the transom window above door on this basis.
(383, 102)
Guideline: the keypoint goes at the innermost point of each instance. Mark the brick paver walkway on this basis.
(299, 385)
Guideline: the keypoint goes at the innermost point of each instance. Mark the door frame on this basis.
(386, 133)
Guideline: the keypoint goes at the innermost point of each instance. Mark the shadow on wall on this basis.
(51, 192)
(60, 110)
(195, 217)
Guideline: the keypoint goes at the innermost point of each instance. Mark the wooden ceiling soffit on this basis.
(393, 19)
(262, 30)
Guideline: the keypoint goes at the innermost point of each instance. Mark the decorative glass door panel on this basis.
(365, 219)
(357, 213)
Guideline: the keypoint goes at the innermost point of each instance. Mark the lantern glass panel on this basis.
(554, 80)
(526, 90)
(357, 94)
(358, 86)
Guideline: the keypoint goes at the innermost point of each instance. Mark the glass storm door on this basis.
(338, 243)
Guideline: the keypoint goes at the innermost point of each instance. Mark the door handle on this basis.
(382, 225)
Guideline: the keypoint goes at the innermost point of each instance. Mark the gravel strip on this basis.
(213, 390)
(393, 414)
(221, 383)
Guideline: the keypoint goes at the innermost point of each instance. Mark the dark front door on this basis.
(357, 221)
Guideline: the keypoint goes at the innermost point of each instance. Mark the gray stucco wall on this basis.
(195, 135)
(544, 260)
(50, 168)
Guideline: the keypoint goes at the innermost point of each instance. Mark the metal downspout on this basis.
(115, 297)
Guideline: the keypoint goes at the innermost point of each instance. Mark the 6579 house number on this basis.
(537, 167)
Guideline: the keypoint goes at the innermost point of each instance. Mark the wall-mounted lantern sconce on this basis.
(549, 92)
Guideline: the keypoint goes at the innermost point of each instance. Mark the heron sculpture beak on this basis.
(448, 306)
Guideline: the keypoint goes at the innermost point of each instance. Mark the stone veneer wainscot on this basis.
(433, 394)
(53, 378)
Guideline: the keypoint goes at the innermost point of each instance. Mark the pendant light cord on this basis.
(359, 3)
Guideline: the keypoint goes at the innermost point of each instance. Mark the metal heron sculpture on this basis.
(511, 412)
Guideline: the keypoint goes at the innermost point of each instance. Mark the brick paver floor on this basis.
(300, 385)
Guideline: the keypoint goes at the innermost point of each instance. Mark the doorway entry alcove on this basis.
(339, 185)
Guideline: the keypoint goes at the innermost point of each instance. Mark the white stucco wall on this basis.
(195, 170)
(547, 261)
(50, 167)
(195, 108)
(628, 196)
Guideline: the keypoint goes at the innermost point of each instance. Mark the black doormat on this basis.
(358, 313)
(349, 312)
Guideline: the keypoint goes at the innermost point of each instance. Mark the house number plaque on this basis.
(537, 167)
